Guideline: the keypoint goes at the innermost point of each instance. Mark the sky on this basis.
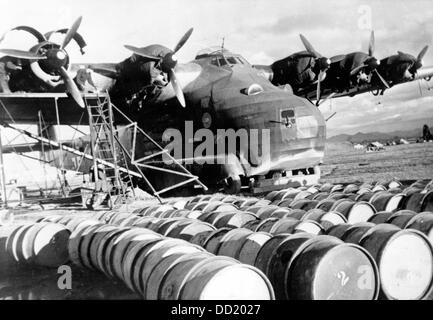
(261, 30)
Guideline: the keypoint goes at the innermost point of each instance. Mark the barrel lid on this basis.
(194, 214)
(50, 245)
(332, 218)
(239, 282)
(406, 266)
(309, 226)
(240, 218)
(346, 272)
(342, 271)
(213, 262)
(395, 202)
(360, 212)
(195, 228)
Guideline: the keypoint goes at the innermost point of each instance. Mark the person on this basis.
(84, 76)
(426, 134)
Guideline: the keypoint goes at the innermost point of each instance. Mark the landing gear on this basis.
(232, 185)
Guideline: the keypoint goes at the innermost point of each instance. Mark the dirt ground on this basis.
(344, 164)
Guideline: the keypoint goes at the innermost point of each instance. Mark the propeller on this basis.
(49, 61)
(322, 62)
(418, 62)
(371, 62)
(20, 54)
(166, 63)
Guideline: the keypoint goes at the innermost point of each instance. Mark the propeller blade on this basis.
(183, 40)
(71, 87)
(71, 32)
(422, 53)
(309, 47)
(176, 87)
(371, 45)
(355, 70)
(39, 36)
(141, 52)
(382, 79)
(338, 58)
(22, 54)
(318, 92)
(36, 48)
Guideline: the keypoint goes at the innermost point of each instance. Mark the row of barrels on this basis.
(308, 222)
(158, 267)
(42, 243)
(376, 254)
(292, 274)
(274, 219)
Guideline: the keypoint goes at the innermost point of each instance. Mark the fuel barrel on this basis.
(354, 233)
(332, 218)
(309, 226)
(422, 222)
(251, 246)
(414, 201)
(212, 243)
(161, 269)
(231, 242)
(235, 220)
(354, 211)
(215, 278)
(380, 217)
(401, 218)
(404, 259)
(266, 225)
(46, 244)
(326, 268)
(282, 252)
(338, 230)
(427, 202)
(285, 225)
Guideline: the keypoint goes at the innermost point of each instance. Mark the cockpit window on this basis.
(232, 60)
(222, 62)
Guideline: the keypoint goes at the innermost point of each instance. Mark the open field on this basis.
(344, 164)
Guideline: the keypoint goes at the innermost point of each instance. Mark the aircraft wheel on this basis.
(232, 185)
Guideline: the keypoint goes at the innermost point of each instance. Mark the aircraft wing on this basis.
(23, 108)
(425, 73)
(108, 70)
(37, 146)
(23, 148)
(309, 92)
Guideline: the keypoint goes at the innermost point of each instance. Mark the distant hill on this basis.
(377, 136)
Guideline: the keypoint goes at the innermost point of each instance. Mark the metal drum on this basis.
(422, 222)
(325, 268)
(251, 246)
(405, 261)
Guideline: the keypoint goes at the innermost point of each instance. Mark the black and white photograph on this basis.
(223, 150)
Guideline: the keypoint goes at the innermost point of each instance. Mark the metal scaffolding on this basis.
(105, 149)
